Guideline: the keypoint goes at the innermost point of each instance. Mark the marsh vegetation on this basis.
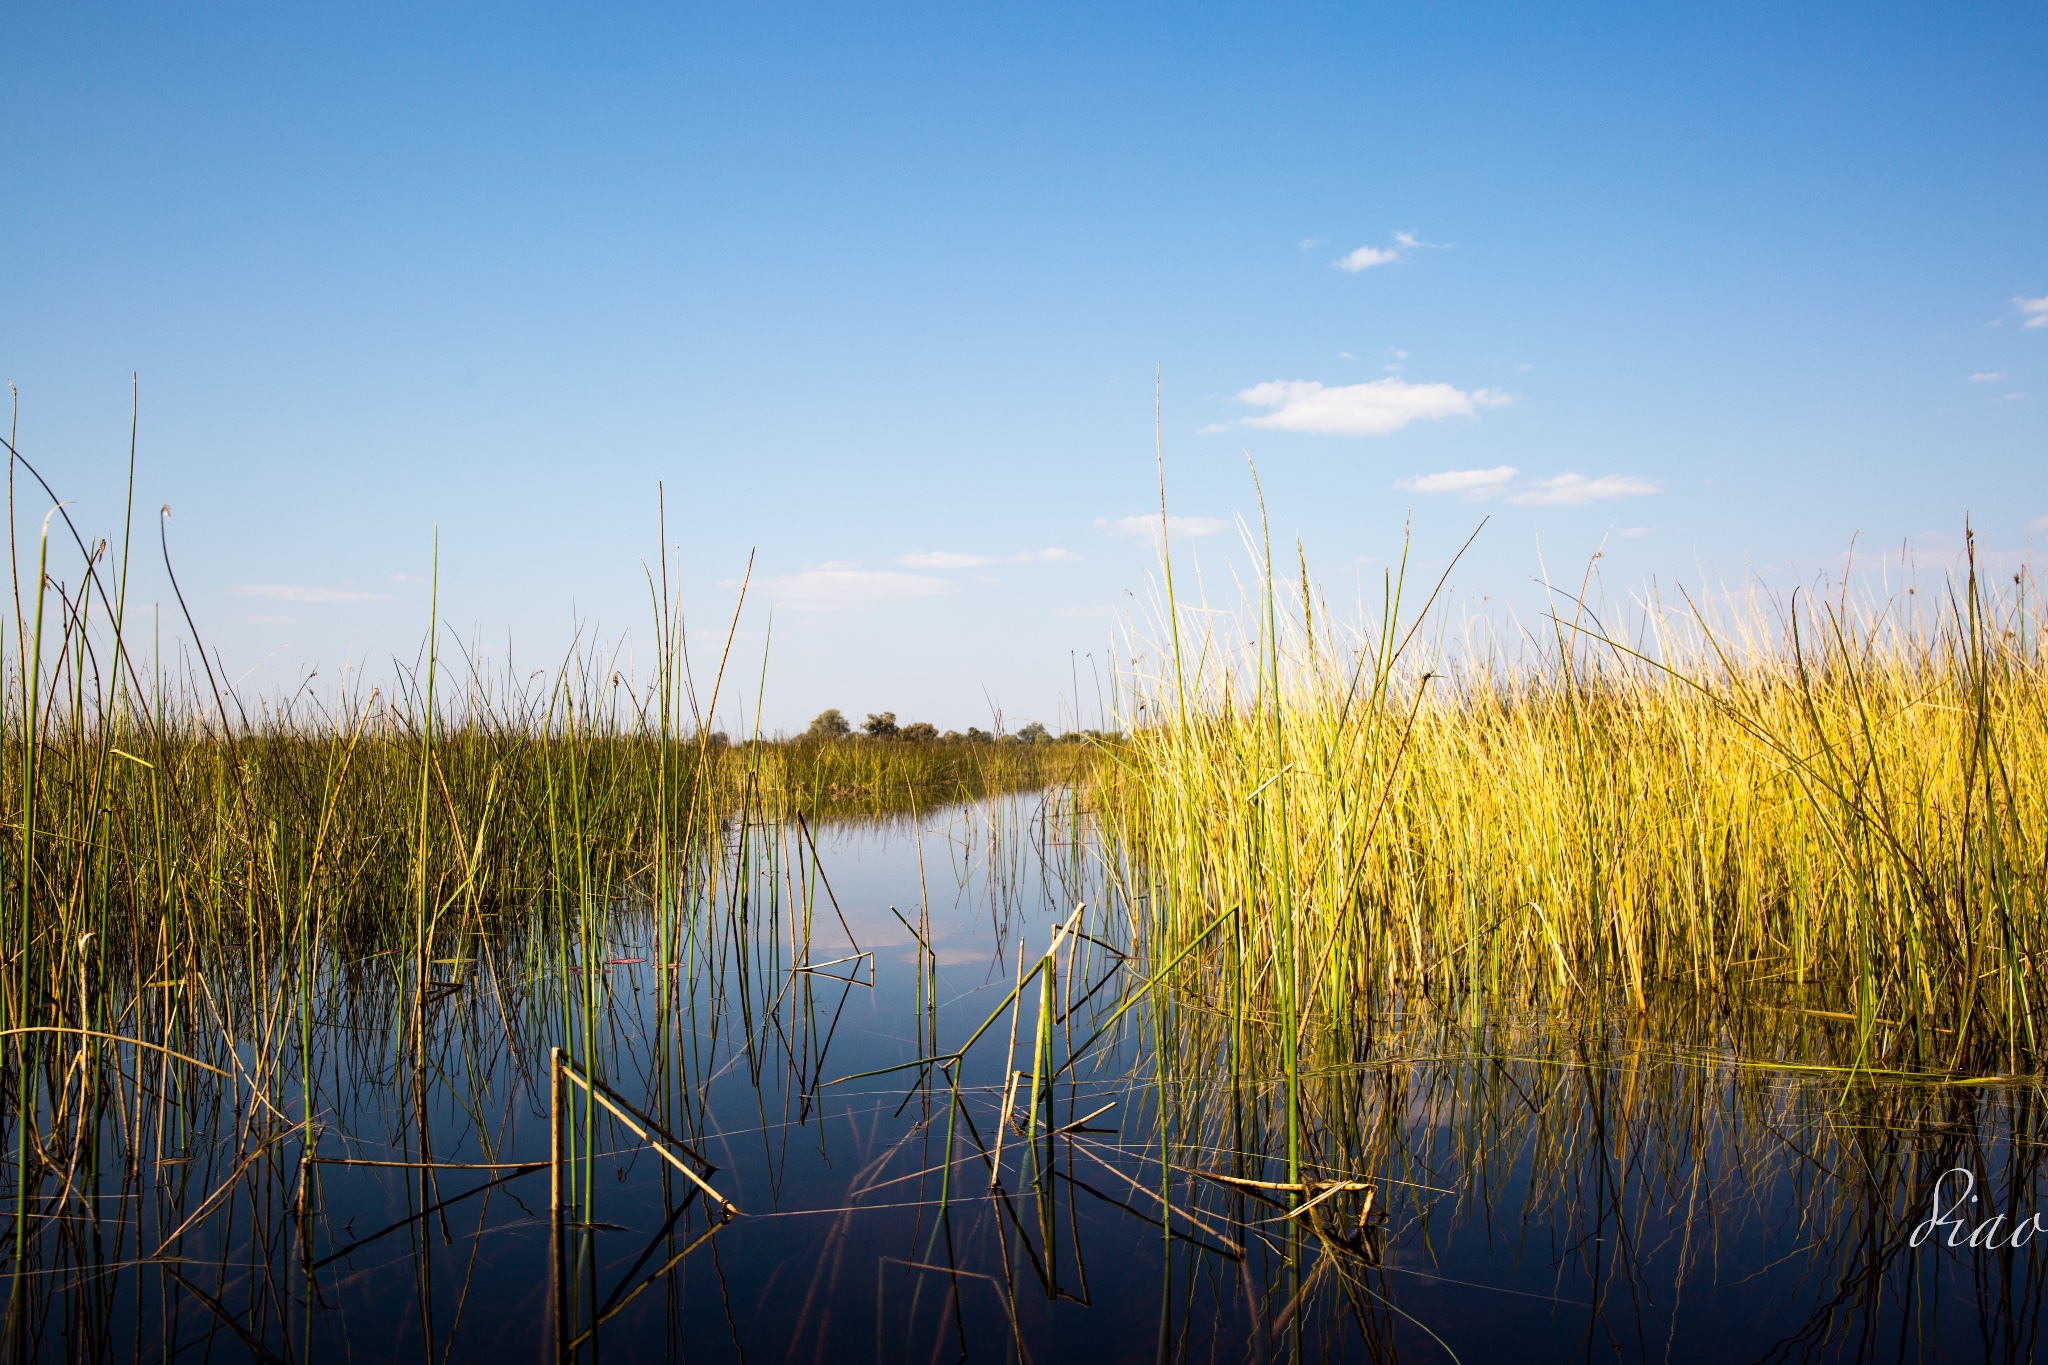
(1824, 802)
(1388, 996)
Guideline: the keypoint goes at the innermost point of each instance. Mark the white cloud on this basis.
(1084, 613)
(951, 559)
(266, 619)
(1370, 409)
(1576, 490)
(2035, 310)
(293, 592)
(1147, 527)
(1311, 243)
(2038, 524)
(1472, 483)
(841, 587)
(1987, 377)
(2010, 397)
(1365, 258)
(1633, 532)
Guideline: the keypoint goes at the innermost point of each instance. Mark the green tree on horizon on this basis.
(829, 724)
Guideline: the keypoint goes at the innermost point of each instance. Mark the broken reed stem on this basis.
(650, 1133)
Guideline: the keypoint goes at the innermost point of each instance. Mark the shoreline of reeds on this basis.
(1829, 803)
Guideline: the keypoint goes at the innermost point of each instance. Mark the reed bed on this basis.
(159, 823)
(1397, 912)
(186, 876)
(1833, 802)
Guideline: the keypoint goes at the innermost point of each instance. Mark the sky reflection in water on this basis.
(1638, 1188)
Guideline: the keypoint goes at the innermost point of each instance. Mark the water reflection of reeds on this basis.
(1365, 1033)
(1619, 1177)
(1694, 1180)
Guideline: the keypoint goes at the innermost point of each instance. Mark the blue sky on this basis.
(879, 295)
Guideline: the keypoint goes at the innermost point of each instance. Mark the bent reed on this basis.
(1815, 804)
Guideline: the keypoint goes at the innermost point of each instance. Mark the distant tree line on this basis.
(832, 724)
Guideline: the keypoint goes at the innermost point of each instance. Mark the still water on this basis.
(1670, 1185)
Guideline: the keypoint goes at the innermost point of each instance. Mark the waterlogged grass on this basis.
(1827, 802)
(188, 876)
(1522, 1177)
(1685, 936)
(1652, 944)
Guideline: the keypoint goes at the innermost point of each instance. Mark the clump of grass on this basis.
(1838, 802)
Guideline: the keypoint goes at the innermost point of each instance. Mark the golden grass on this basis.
(1840, 804)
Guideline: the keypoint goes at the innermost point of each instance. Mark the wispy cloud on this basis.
(1311, 243)
(1473, 484)
(952, 559)
(2035, 311)
(2010, 397)
(1987, 377)
(293, 592)
(1370, 409)
(2038, 524)
(1365, 258)
(1633, 532)
(1147, 527)
(267, 619)
(1084, 613)
(1576, 490)
(842, 587)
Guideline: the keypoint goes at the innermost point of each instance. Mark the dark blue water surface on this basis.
(1660, 1186)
